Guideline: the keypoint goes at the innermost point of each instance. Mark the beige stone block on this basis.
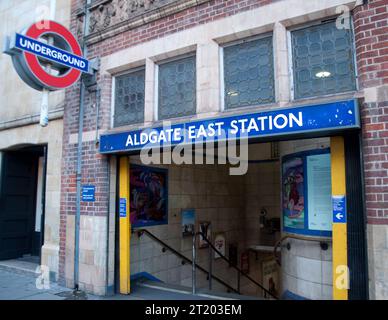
(85, 273)
(87, 257)
(99, 290)
(50, 256)
(69, 268)
(150, 79)
(86, 240)
(370, 95)
(69, 282)
(87, 223)
(382, 93)
(377, 237)
(98, 277)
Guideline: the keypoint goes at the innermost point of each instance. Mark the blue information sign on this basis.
(339, 209)
(307, 119)
(89, 193)
(123, 207)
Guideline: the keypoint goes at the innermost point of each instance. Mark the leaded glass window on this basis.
(249, 73)
(129, 98)
(177, 88)
(323, 60)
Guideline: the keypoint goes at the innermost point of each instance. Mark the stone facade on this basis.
(125, 42)
(20, 110)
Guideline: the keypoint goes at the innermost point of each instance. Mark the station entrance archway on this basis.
(348, 261)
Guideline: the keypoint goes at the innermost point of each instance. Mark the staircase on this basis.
(163, 290)
(155, 290)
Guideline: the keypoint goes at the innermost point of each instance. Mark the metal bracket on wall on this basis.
(90, 79)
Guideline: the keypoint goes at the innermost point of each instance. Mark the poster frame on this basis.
(155, 169)
(305, 230)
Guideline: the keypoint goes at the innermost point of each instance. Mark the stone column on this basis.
(149, 102)
(208, 78)
(282, 77)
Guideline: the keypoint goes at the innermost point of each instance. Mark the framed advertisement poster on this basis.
(306, 193)
(148, 196)
(220, 244)
(271, 276)
(188, 222)
(293, 193)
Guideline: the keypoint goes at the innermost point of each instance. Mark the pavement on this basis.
(19, 281)
(20, 284)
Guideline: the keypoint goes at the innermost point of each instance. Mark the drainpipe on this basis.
(79, 159)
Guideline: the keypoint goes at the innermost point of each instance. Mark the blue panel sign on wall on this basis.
(339, 209)
(89, 193)
(285, 122)
(123, 208)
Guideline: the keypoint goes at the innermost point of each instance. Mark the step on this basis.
(19, 266)
(145, 283)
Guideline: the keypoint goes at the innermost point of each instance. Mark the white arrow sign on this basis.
(339, 216)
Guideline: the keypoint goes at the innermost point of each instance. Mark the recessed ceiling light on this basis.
(323, 74)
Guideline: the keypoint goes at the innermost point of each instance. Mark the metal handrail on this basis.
(287, 236)
(266, 291)
(165, 245)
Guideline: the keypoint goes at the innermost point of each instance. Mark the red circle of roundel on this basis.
(32, 60)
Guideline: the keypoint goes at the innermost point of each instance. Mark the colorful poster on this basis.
(293, 193)
(188, 222)
(271, 276)
(148, 194)
(220, 244)
(319, 192)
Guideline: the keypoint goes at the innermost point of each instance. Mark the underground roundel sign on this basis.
(47, 56)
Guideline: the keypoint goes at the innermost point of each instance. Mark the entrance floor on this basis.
(26, 264)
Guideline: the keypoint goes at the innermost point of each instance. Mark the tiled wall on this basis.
(262, 191)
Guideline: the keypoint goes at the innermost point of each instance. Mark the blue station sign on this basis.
(123, 207)
(51, 53)
(307, 119)
(339, 209)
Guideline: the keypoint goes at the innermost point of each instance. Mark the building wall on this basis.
(371, 27)
(202, 28)
(20, 110)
